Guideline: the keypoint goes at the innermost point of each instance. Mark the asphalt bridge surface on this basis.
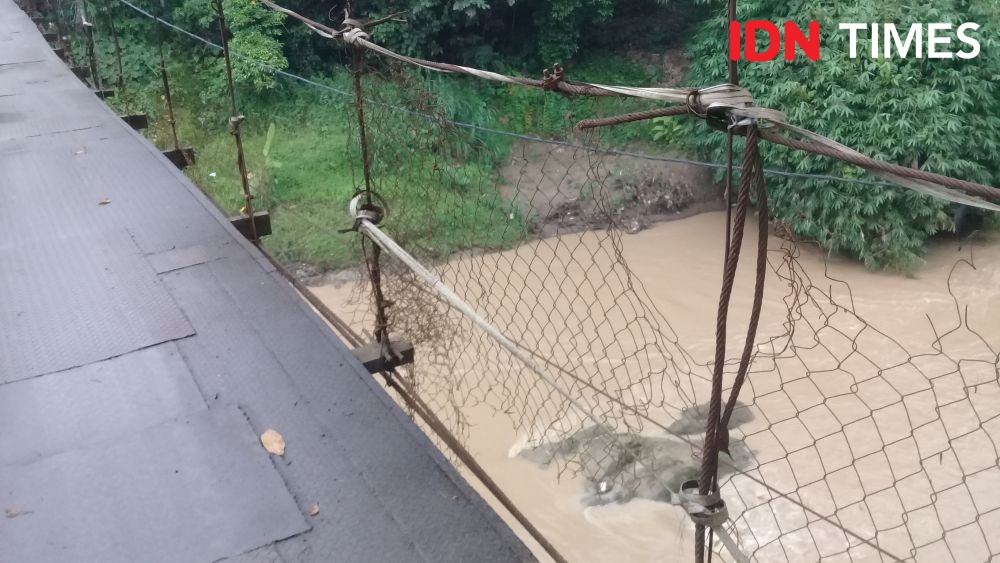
(144, 346)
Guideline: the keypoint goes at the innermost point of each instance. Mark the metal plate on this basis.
(188, 256)
(200, 488)
(111, 305)
(97, 402)
(45, 112)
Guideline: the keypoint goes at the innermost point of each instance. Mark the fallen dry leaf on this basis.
(104, 201)
(314, 510)
(15, 511)
(273, 442)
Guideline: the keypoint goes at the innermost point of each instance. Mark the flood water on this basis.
(680, 264)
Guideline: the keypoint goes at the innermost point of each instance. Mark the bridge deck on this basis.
(144, 346)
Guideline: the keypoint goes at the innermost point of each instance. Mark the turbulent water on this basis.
(680, 265)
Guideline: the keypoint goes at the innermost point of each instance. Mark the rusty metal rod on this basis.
(235, 123)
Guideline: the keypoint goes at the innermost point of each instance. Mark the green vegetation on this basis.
(301, 141)
(937, 114)
(529, 33)
(303, 199)
(304, 167)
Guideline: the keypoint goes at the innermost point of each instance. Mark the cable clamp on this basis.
(552, 78)
(720, 116)
(704, 510)
(737, 117)
(353, 35)
(235, 122)
(362, 210)
(352, 30)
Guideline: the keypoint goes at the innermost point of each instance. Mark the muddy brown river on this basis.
(679, 263)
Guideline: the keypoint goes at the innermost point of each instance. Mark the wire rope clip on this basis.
(552, 78)
(235, 122)
(720, 116)
(709, 511)
(366, 206)
(705, 510)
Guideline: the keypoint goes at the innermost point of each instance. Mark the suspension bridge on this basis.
(146, 345)
(823, 439)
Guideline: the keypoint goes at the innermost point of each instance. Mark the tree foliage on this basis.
(938, 114)
(481, 31)
(254, 34)
(527, 33)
